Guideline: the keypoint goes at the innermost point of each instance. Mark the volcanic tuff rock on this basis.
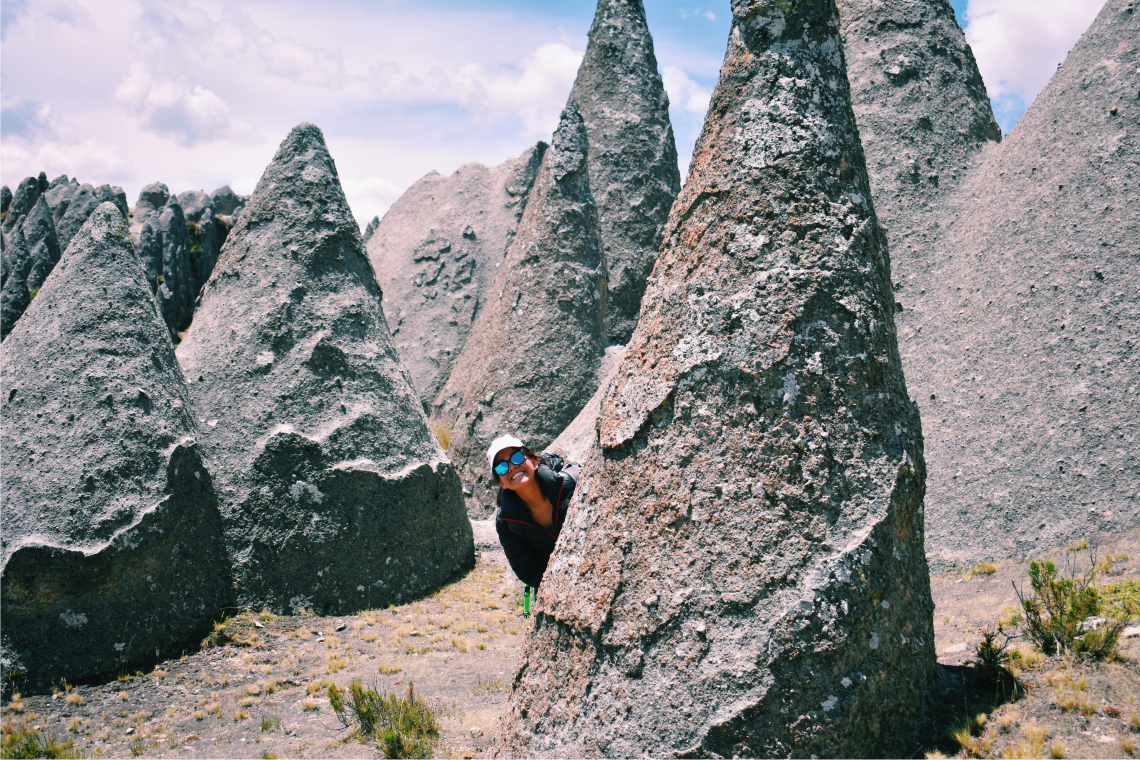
(5, 199)
(164, 245)
(437, 252)
(742, 569)
(531, 361)
(43, 247)
(370, 230)
(112, 543)
(633, 158)
(81, 205)
(224, 200)
(1020, 325)
(921, 106)
(335, 494)
(27, 193)
(152, 199)
(14, 292)
(576, 443)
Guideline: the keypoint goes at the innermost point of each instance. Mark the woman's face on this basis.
(519, 475)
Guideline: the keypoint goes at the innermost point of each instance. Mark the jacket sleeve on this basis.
(528, 564)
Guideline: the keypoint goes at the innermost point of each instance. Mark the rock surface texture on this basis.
(335, 494)
(32, 253)
(1020, 324)
(112, 543)
(633, 158)
(742, 570)
(921, 106)
(436, 253)
(531, 361)
(164, 245)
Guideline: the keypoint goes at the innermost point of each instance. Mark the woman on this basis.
(533, 498)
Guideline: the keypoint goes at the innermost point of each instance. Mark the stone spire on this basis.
(633, 159)
(1020, 329)
(742, 572)
(531, 361)
(921, 105)
(335, 494)
(112, 543)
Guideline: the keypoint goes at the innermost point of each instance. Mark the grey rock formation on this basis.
(112, 545)
(59, 197)
(742, 570)
(81, 204)
(164, 246)
(370, 230)
(531, 361)
(5, 199)
(14, 292)
(152, 199)
(1020, 320)
(116, 195)
(578, 441)
(335, 493)
(921, 106)
(194, 204)
(43, 246)
(224, 200)
(437, 252)
(27, 193)
(633, 159)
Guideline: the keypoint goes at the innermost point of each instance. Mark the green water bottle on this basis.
(526, 601)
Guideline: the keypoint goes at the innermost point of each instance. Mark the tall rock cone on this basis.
(112, 542)
(335, 494)
(923, 113)
(1020, 330)
(437, 252)
(633, 159)
(531, 361)
(742, 570)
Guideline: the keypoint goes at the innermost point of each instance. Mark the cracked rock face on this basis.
(1020, 329)
(112, 541)
(335, 494)
(164, 245)
(921, 106)
(531, 361)
(436, 253)
(633, 158)
(742, 571)
(31, 254)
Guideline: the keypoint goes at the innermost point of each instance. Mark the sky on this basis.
(199, 93)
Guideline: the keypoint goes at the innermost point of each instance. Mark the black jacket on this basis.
(526, 543)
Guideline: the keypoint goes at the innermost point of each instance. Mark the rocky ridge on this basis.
(334, 493)
(112, 546)
(747, 544)
(530, 363)
(437, 252)
(632, 157)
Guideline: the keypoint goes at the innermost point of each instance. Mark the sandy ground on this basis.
(260, 689)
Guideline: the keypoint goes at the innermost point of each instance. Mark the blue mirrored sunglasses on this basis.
(502, 468)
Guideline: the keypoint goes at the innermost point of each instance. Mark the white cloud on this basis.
(535, 94)
(684, 93)
(188, 115)
(1018, 44)
(89, 160)
(65, 12)
(370, 196)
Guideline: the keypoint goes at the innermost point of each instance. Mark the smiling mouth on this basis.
(516, 476)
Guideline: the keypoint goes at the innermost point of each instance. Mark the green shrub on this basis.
(1057, 607)
(401, 726)
(27, 742)
(990, 657)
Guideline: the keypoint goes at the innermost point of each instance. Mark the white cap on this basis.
(500, 443)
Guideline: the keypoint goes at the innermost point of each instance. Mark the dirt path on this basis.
(260, 689)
